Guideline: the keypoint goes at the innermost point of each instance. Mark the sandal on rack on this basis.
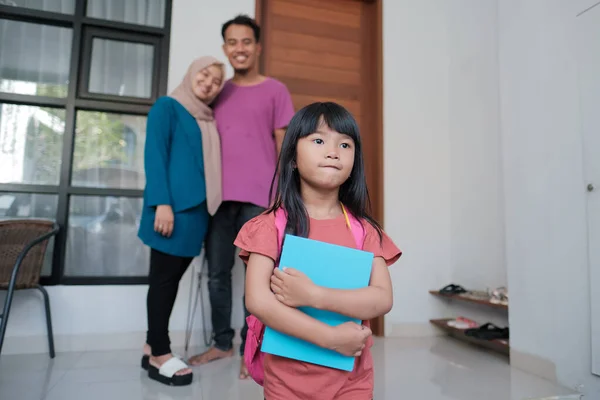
(452, 289)
(488, 331)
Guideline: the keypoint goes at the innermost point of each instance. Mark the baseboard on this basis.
(533, 364)
(412, 330)
(93, 342)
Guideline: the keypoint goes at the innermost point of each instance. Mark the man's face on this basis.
(241, 48)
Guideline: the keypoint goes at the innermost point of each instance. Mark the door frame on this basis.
(372, 83)
(590, 175)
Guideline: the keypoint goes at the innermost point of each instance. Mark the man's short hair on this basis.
(245, 20)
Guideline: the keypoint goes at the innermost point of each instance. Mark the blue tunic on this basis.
(174, 168)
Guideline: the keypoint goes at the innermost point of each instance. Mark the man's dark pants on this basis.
(220, 254)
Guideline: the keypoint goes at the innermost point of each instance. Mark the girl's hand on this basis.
(293, 288)
(164, 220)
(349, 339)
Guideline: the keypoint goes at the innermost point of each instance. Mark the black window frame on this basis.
(89, 34)
(84, 28)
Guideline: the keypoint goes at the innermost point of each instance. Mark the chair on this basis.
(22, 249)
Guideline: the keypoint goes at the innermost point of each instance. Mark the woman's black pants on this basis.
(165, 273)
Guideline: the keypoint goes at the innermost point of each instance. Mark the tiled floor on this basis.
(419, 369)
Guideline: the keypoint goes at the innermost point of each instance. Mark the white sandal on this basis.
(166, 373)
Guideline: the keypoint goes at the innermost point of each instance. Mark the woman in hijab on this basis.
(183, 188)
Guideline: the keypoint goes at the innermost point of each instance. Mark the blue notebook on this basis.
(327, 265)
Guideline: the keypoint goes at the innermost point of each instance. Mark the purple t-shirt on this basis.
(247, 117)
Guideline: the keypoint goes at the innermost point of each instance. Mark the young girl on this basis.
(321, 178)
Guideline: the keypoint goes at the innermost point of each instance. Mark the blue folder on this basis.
(327, 265)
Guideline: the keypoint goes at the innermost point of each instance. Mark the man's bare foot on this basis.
(211, 354)
(157, 362)
(244, 374)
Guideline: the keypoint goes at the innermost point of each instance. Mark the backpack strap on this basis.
(358, 231)
(280, 224)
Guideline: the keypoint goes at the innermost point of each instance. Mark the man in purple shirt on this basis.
(252, 113)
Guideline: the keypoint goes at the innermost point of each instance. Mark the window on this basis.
(118, 66)
(102, 237)
(150, 13)
(121, 68)
(34, 58)
(29, 205)
(77, 79)
(31, 140)
(109, 150)
(56, 6)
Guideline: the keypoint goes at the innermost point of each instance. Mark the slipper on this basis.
(488, 331)
(452, 289)
(166, 373)
(145, 362)
(476, 295)
(463, 323)
(500, 296)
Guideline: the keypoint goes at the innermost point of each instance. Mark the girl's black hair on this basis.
(353, 193)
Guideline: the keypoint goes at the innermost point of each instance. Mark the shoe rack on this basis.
(497, 345)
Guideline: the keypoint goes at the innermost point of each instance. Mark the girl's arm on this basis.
(261, 302)
(373, 301)
(295, 289)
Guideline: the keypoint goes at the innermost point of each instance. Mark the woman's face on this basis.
(207, 82)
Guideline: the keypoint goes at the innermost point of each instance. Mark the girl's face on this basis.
(206, 83)
(325, 158)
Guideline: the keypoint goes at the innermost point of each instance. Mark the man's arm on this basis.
(282, 114)
(279, 134)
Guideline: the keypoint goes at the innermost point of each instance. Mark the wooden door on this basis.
(330, 50)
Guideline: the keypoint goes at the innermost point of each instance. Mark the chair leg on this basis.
(5, 313)
(48, 320)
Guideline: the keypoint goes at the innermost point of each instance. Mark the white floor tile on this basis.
(432, 369)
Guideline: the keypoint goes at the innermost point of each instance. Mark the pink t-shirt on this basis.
(287, 379)
(247, 117)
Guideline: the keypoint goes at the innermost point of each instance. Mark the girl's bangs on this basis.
(335, 117)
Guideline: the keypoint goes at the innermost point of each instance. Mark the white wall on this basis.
(477, 210)
(460, 176)
(546, 239)
(109, 317)
(196, 31)
(442, 205)
(443, 184)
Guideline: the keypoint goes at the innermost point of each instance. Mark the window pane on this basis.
(121, 68)
(34, 59)
(140, 12)
(109, 150)
(30, 144)
(102, 237)
(29, 205)
(57, 6)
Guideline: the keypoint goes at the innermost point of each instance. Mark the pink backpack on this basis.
(253, 357)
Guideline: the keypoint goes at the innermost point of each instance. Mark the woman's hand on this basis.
(349, 339)
(293, 288)
(164, 220)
